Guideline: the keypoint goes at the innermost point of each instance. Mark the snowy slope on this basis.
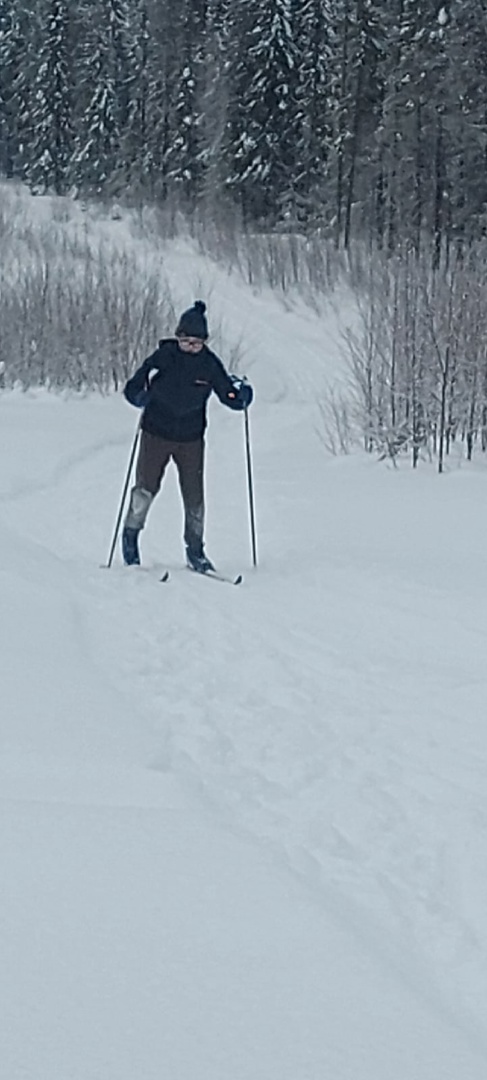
(243, 830)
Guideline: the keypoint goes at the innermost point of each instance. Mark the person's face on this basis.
(190, 344)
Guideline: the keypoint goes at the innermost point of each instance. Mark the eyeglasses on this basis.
(195, 344)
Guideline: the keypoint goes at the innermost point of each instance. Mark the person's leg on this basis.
(154, 454)
(189, 459)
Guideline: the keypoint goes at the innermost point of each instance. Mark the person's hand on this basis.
(246, 395)
(244, 392)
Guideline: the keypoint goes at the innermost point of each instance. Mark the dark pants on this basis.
(154, 456)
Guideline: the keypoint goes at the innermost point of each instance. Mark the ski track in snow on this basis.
(330, 707)
(255, 696)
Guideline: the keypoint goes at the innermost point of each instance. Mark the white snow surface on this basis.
(243, 831)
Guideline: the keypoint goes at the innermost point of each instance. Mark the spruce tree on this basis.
(51, 138)
(464, 121)
(314, 45)
(106, 74)
(136, 131)
(354, 105)
(215, 82)
(415, 79)
(17, 72)
(184, 153)
(7, 127)
(262, 126)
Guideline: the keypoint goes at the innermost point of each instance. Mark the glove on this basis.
(244, 392)
(246, 395)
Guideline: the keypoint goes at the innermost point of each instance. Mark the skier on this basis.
(172, 387)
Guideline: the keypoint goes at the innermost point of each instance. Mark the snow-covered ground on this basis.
(243, 830)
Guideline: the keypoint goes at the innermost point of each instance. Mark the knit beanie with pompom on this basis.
(193, 322)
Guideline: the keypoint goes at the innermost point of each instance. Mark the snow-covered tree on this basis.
(463, 32)
(17, 69)
(184, 161)
(365, 116)
(356, 37)
(105, 79)
(51, 135)
(313, 40)
(215, 74)
(263, 117)
(6, 132)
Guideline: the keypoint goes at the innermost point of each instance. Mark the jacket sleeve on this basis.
(231, 390)
(136, 390)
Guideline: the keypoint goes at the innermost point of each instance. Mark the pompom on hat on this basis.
(193, 322)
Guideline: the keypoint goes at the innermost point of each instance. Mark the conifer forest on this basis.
(348, 114)
(355, 130)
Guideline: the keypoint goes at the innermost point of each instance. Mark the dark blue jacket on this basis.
(174, 386)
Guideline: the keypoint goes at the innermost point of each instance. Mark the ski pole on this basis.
(251, 487)
(124, 496)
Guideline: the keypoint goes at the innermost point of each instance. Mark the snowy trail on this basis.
(243, 831)
(316, 709)
(170, 946)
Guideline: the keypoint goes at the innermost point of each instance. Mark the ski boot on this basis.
(198, 561)
(130, 546)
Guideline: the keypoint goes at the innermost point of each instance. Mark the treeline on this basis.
(365, 118)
